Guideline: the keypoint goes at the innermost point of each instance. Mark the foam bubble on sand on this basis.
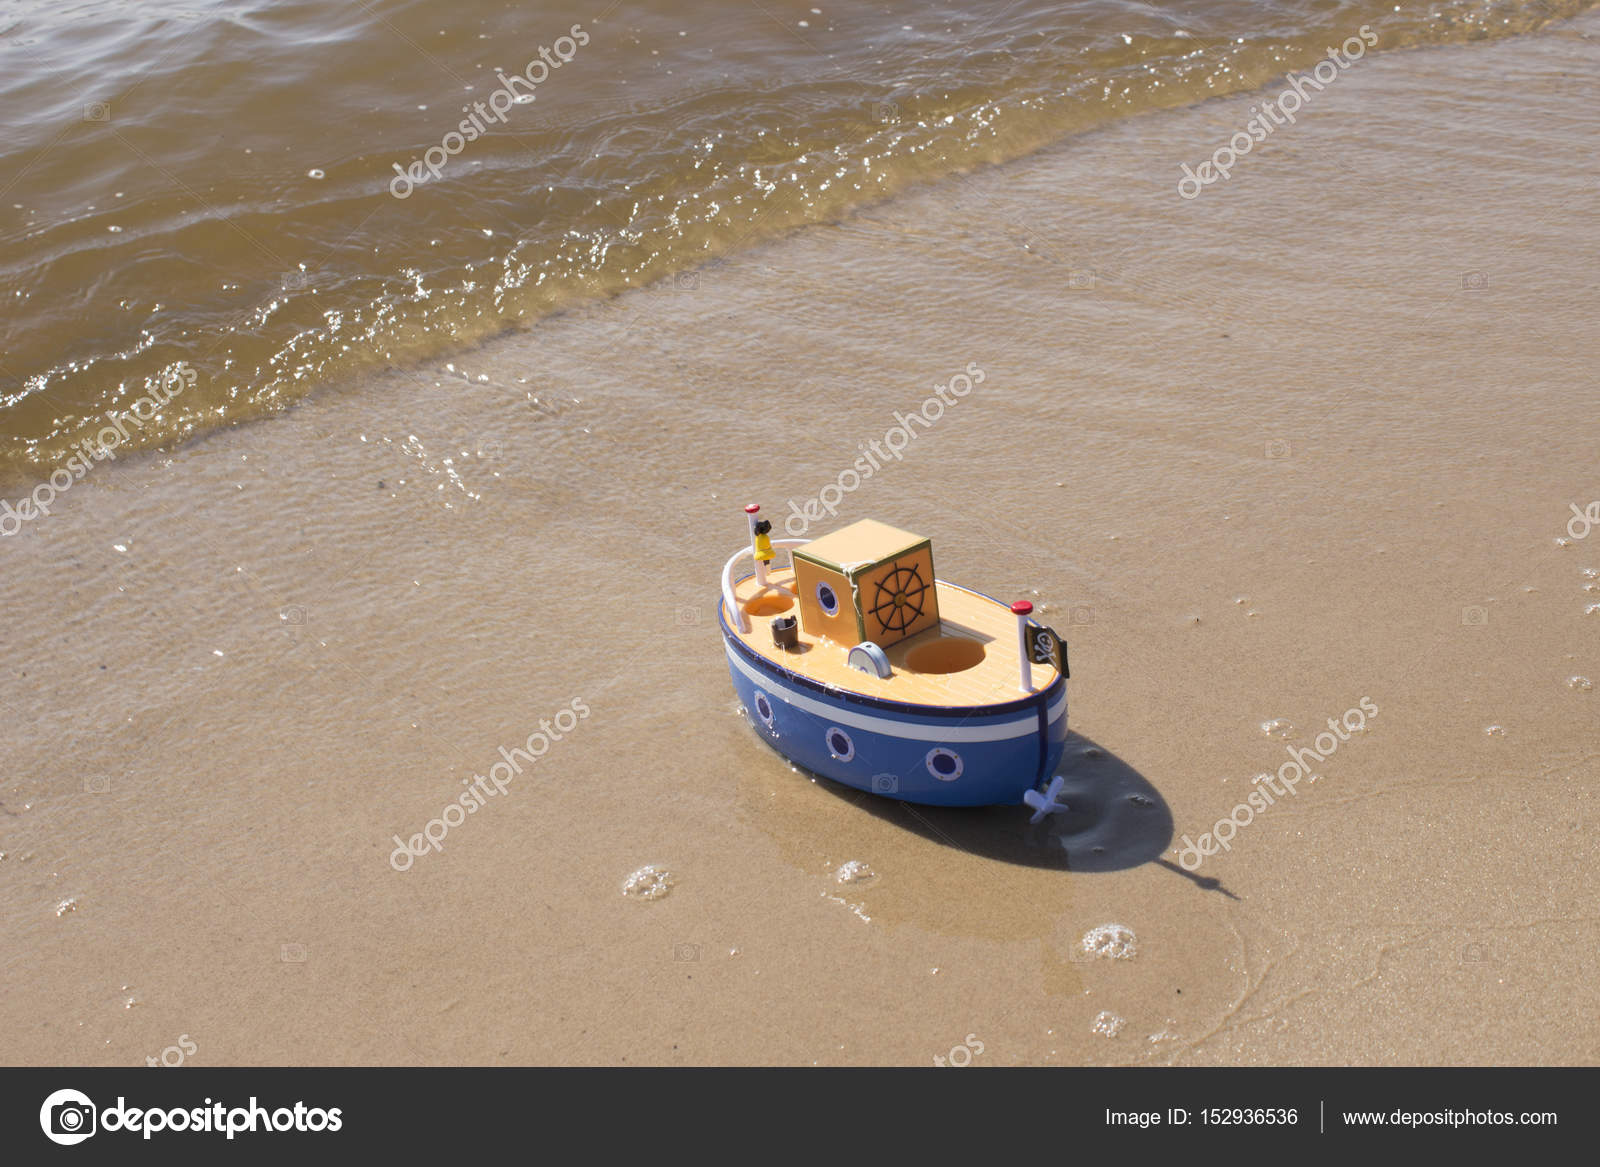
(1112, 941)
(1278, 727)
(70, 904)
(855, 871)
(857, 910)
(1495, 730)
(648, 883)
(1582, 684)
(1592, 610)
(1107, 1024)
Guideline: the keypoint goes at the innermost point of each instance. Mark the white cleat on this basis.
(1045, 804)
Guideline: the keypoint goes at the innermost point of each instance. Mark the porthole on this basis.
(839, 744)
(943, 764)
(763, 709)
(828, 599)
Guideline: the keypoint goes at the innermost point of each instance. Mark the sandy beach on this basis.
(1305, 444)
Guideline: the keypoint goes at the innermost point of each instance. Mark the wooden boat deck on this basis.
(963, 615)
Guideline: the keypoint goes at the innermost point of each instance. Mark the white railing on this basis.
(728, 598)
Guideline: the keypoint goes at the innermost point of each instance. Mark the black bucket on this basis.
(786, 633)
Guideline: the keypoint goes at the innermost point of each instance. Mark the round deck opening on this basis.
(945, 654)
(770, 604)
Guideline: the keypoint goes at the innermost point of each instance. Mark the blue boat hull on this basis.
(938, 756)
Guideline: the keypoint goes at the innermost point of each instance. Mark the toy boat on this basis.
(856, 663)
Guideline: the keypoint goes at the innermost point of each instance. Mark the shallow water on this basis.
(1256, 455)
(1274, 453)
(216, 184)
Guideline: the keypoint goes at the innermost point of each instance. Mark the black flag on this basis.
(1046, 648)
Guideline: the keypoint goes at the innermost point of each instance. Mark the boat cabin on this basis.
(867, 581)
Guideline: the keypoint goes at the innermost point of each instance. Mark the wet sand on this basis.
(1306, 439)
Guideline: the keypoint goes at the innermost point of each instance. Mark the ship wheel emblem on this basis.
(899, 599)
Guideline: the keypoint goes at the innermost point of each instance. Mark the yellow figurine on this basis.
(764, 550)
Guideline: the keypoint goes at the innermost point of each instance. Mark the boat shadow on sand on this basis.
(1115, 819)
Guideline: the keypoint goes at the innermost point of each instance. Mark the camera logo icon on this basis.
(686, 952)
(688, 617)
(884, 112)
(1475, 616)
(67, 1117)
(97, 111)
(1474, 281)
(687, 281)
(1278, 448)
(886, 784)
